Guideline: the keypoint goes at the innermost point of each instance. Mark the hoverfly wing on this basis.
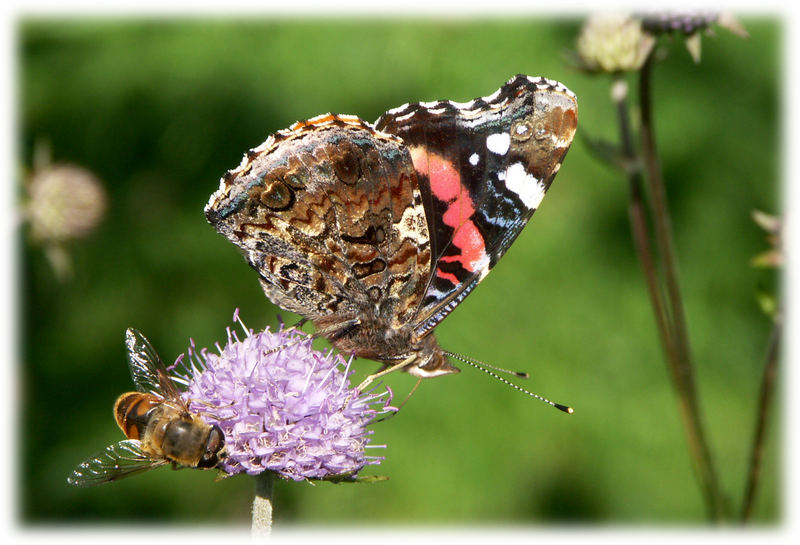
(147, 370)
(116, 462)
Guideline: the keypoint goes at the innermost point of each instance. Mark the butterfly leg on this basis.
(300, 323)
(328, 333)
(366, 382)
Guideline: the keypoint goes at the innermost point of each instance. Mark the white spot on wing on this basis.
(461, 105)
(473, 159)
(529, 189)
(498, 143)
(398, 109)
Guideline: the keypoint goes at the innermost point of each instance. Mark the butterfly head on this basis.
(431, 361)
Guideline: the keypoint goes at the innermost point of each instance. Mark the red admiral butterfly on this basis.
(377, 233)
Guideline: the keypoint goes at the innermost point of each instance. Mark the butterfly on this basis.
(376, 233)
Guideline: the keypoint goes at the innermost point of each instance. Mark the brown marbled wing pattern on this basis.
(330, 215)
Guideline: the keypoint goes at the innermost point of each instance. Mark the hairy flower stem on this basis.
(679, 355)
(764, 402)
(262, 504)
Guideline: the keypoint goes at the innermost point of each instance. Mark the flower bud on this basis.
(613, 43)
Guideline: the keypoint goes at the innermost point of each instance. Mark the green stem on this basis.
(639, 228)
(764, 403)
(637, 216)
(663, 229)
(683, 370)
(262, 504)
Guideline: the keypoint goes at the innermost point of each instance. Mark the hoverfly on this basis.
(157, 421)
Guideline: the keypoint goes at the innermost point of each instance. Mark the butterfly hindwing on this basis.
(329, 214)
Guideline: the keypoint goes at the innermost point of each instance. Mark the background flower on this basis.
(613, 43)
(691, 25)
(66, 202)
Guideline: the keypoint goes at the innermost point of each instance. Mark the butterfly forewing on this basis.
(483, 168)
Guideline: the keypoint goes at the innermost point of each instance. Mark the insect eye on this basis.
(212, 456)
(216, 440)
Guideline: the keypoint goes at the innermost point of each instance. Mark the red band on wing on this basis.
(447, 276)
(446, 186)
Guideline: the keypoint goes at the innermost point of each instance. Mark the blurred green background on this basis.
(159, 109)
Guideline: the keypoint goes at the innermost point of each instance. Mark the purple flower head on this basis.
(289, 410)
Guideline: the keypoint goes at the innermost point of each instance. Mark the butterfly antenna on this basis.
(486, 369)
(519, 374)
